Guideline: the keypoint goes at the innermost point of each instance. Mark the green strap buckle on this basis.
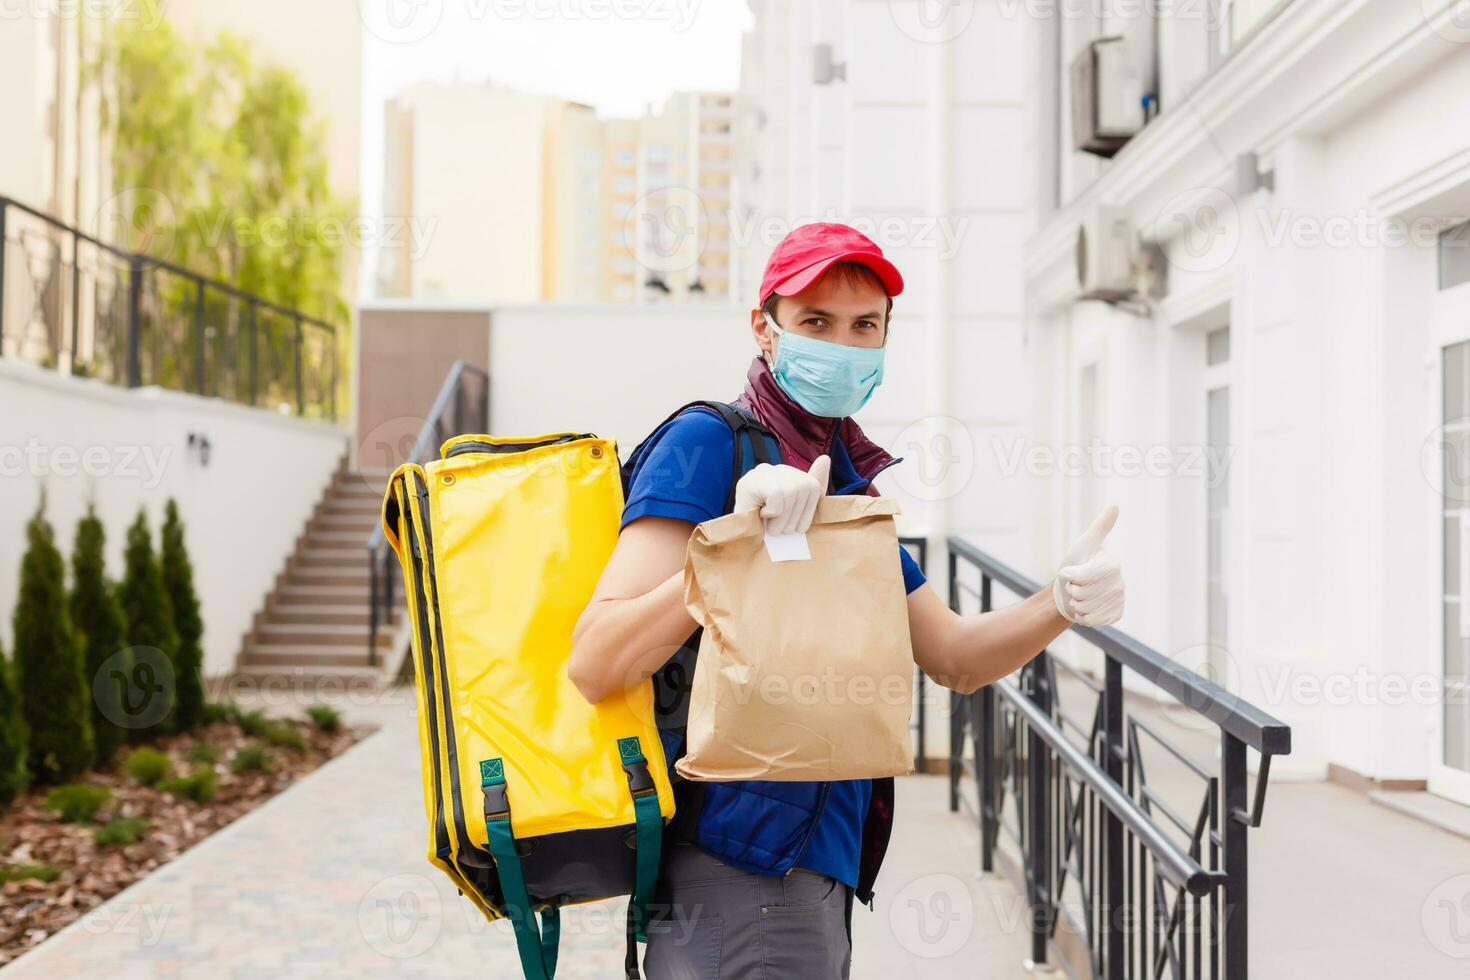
(537, 947)
(492, 785)
(648, 836)
(635, 767)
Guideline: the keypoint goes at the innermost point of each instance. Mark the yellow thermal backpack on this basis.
(535, 798)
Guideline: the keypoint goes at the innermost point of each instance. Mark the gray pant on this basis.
(716, 922)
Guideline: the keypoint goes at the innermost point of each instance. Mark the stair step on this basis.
(306, 655)
(358, 489)
(334, 538)
(351, 520)
(318, 679)
(357, 569)
(353, 614)
(324, 634)
(329, 576)
(330, 557)
(295, 594)
(373, 507)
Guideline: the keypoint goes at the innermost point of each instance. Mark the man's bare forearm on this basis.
(964, 653)
(619, 642)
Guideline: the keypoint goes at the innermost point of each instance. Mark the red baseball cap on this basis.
(800, 258)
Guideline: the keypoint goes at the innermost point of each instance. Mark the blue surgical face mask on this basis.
(826, 379)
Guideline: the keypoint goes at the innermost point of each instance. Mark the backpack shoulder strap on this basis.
(754, 443)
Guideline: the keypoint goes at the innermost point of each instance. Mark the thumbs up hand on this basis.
(1089, 586)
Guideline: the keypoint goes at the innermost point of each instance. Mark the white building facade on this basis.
(1279, 408)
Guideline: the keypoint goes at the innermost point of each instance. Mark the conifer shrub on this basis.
(54, 695)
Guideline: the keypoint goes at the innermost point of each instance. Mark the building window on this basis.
(624, 158)
(1454, 257)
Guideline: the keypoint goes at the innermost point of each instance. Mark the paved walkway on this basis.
(329, 880)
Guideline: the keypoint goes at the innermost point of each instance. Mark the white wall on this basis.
(615, 370)
(84, 440)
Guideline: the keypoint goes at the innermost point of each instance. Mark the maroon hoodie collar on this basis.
(802, 435)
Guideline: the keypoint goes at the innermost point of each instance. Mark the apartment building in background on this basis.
(673, 218)
(482, 175)
(553, 203)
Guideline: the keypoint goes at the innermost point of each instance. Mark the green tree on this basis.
(178, 579)
(48, 657)
(12, 736)
(150, 619)
(98, 616)
(220, 167)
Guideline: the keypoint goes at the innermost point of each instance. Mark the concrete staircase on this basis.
(313, 628)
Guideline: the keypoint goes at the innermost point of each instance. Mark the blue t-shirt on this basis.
(685, 473)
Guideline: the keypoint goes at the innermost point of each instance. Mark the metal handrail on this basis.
(138, 264)
(157, 263)
(449, 407)
(1109, 772)
(1175, 863)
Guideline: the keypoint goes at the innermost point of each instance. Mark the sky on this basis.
(616, 55)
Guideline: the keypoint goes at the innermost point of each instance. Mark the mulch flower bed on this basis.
(35, 844)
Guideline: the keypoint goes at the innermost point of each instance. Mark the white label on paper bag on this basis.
(788, 547)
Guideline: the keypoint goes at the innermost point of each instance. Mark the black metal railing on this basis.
(72, 302)
(1121, 881)
(462, 406)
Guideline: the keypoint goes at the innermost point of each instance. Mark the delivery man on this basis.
(763, 884)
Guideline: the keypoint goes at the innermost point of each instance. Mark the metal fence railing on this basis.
(1123, 879)
(73, 302)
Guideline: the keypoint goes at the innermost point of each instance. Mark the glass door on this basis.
(1449, 771)
(1452, 775)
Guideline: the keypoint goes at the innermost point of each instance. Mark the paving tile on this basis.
(329, 879)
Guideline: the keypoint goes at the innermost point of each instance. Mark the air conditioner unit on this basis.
(1108, 96)
(1105, 255)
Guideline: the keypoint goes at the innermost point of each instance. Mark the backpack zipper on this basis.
(461, 448)
(812, 829)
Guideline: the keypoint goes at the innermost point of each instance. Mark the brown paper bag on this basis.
(805, 670)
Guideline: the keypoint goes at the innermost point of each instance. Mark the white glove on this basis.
(1089, 586)
(787, 497)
